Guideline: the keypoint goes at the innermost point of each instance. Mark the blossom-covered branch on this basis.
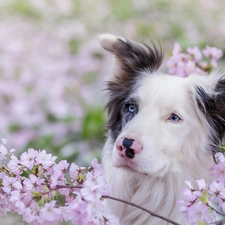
(35, 184)
(206, 202)
(193, 60)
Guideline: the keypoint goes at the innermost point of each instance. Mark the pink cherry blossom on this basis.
(111, 220)
(57, 172)
(49, 213)
(97, 168)
(10, 183)
(14, 164)
(27, 159)
(33, 183)
(184, 63)
(92, 187)
(199, 212)
(212, 52)
(44, 159)
(216, 188)
(220, 157)
(62, 166)
(34, 196)
(190, 67)
(3, 152)
(213, 63)
(201, 184)
(176, 49)
(218, 170)
(31, 217)
(74, 171)
(198, 201)
(195, 53)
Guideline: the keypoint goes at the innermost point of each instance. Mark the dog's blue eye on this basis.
(174, 117)
(131, 108)
(128, 111)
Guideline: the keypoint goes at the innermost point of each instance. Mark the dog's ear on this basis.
(213, 106)
(131, 57)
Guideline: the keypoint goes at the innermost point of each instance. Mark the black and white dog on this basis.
(163, 130)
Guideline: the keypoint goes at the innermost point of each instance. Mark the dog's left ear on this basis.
(213, 107)
(131, 57)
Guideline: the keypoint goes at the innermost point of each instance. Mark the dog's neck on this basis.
(155, 194)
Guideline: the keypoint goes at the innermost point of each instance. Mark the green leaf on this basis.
(41, 202)
(36, 194)
(123, 10)
(222, 148)
(146, 30)
(25, 174)
(81, 177)
(14, 127)
(35, 169)
(93, 124)
(74, 45)
(204, 197)
(23, 7)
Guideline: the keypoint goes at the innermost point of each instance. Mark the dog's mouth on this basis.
(125, 162)
(130, 165)
(133, 166)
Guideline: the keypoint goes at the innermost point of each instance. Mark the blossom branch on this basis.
(124, 201)
(139, 207)
(193, 60)
(222, 214)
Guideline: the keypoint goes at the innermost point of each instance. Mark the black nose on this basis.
(127, 143)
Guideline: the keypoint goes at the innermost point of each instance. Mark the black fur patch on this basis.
(117, 95)
(133, 59)
(213, 106)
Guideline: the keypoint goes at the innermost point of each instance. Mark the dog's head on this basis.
(159, 122)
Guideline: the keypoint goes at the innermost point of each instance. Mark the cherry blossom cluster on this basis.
(193, 60)
(34, 186)
(205, 203)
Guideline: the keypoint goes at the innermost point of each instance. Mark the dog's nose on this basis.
(128, 147)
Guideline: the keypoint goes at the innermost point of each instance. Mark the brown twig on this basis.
(66, 186)
(139, 207)
(222, 214)
(205, 69)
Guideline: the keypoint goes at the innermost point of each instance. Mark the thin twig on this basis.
(66, 186)
(215, 210)
(60, 186)
(139, 207)
(205, 69)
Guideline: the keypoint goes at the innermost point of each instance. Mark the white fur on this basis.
(107, 41)
(172, 152)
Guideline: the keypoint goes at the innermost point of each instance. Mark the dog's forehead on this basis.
(163, 88)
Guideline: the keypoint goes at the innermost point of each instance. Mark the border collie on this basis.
(163, 130)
